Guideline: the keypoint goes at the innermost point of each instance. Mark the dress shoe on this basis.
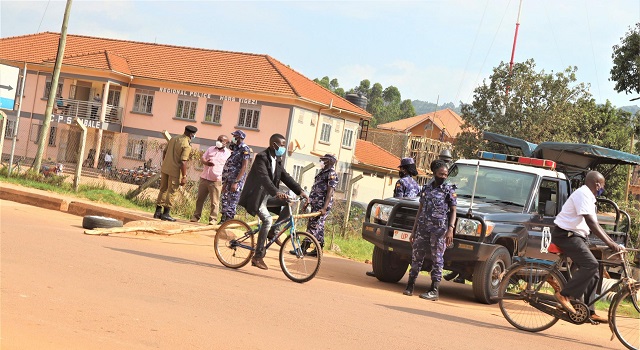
(259, 263)
(370, 274)
(565, 302)
(167, 217)
(598, 318)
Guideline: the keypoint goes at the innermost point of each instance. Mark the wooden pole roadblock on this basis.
(189, 229)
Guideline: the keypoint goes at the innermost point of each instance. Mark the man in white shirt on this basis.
(573, 224)
(108, 161)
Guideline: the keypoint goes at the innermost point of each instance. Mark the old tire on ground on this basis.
(90, 222)
(388, 266)
(486, 275)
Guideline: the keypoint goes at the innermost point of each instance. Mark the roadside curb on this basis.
(49, 200)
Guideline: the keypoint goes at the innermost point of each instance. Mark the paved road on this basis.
(61, 289)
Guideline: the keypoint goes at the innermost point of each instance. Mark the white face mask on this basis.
(322, 164)
(193, 136)
(234, 140)
(219, 144)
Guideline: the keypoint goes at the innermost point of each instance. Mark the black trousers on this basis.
(584, 270)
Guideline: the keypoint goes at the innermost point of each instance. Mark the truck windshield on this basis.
(494, 184)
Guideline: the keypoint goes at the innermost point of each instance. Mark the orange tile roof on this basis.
(371, 154)
(211, 68)
(445, 118)
(101, 60)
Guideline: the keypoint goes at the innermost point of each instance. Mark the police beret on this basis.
(406, 161)
(239, 133)
(329, 156)
(190, 128)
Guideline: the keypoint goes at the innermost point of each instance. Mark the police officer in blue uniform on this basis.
(234, 175)
(407, 187)
(321, 197)
(434, 226)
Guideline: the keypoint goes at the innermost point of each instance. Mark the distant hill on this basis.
(423, 107)
(630, 109)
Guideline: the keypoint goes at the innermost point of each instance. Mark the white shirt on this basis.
(581, 202)
(273, 165)
(108, 158)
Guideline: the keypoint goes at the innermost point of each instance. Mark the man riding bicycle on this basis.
(261, 191)
(573, 223)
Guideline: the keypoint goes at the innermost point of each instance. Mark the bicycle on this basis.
(234, 246)
(527, 301)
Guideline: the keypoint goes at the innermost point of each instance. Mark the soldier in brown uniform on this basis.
(173, 171)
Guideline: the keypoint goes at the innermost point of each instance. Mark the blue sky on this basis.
(430, 50)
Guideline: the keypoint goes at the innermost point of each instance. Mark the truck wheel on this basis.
(486, 275)
(90, 222)
(388, 266)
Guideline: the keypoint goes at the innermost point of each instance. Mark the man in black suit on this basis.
(261, 191)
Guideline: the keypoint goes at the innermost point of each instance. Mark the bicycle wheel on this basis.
(301, 266)
(522, 284)
(624, 317)
(234, 244)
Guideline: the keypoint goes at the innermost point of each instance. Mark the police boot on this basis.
(409, 290)
(431, 294)
(158, 212)
(165, 216)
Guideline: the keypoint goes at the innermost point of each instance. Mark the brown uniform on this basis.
(178, 150)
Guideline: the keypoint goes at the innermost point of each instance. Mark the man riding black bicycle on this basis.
(573, 224)
(261, 192)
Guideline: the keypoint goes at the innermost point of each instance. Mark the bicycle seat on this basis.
(554, 249)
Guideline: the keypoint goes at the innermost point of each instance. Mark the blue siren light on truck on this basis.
(544, 163)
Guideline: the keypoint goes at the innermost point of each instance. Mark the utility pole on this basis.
(513, 49)
(44, 131)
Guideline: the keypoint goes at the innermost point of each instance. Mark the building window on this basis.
(213, 113)
(136, 149)
(186, 109)
(325, 133)
(36, 129)
(249, 118)
(347, 138)
(53, 131)
(297, 172)
(113, 98)
(47, 88)
(143, 101)
(8, 132)
(342, 182)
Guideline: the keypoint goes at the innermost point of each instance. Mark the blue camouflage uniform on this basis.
(326, 178)
(406, 187)
(229, 199)
(433, 221)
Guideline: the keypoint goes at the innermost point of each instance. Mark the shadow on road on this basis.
(178, 260)
(346, 271)
(440, 316)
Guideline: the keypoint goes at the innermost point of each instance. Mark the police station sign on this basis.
(209, 96)
(88, 122)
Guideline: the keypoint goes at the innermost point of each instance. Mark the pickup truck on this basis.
(506, 207)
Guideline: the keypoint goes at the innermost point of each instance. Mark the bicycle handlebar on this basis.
(624, 251)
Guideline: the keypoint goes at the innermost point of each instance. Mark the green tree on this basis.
(544, 107)
(331, 85)
(539, 106)
(626, 62)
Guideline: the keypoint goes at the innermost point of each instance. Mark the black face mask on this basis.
(438, 180)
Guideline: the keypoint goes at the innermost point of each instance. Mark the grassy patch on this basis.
(353, 248)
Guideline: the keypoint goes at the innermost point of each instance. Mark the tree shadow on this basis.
(438, 317)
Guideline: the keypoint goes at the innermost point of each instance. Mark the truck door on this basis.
(546, 205)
